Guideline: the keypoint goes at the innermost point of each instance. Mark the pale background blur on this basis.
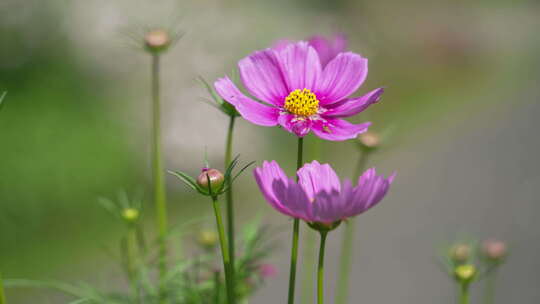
(461, 103)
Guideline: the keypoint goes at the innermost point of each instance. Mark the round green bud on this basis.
(465, 273)
(460, 253)
(130, 214)
(216, 180)
(207, 238)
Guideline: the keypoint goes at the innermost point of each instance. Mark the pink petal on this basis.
(261, 75)
(251, 110)
(298, 126)
(315, 178)
(355, 105)
(328, 49)
(338, 129)
(265, 177)
(300, 66)
(341, 77)
(293, 198)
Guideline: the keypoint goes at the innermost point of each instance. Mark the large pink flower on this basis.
(319, 196)
(297, 93)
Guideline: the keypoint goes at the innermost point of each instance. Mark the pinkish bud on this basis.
(267, 271)
(216, 179)
(157, 40)
(369, 139)
(494, 249)
(460, 253)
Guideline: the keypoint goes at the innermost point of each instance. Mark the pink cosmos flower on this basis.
(297, 93)
(319, 196)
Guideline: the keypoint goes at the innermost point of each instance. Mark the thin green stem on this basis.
(230, 204)
(2, 294)
(224, 251)
(217, 287)
(464, 293)
(320, 270)
(133, 260)
(159, 179)
(296, 231)
(345, 261)
(489, 289)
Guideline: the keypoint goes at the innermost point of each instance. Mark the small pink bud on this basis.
(216, 179)
(267, 271)
(460, 252)
(157, 40)
(494, 249)
(369, 139)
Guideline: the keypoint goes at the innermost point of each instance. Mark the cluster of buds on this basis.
(467, 263)
(211, 182)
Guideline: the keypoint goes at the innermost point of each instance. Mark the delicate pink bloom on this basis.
(298, 94)
(267, 271)
(494, 249)
(319, 196)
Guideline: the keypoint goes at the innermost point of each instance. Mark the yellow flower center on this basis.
(302, 102)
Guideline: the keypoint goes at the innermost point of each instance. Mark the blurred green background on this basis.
(461, 105)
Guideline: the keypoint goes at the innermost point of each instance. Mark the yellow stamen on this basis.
(302, 102)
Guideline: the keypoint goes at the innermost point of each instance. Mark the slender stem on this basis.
(345, 261)
(159, 180)
(230, 205)
(217, 287)
(320, 270)
(464, 293)
(489, 289)
(2, 294)
(224, 251)
(132, 260)
(296, 230)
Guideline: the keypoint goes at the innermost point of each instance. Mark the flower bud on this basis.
(207, 238)
(216, 180)
(157, 40)
(465, 273)
(494, 249)
(369, 139)
(460, 253)
(130, 214)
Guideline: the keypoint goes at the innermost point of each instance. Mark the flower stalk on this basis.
(230, 203)
(2, 294)
(159, 179)
(320, 270)
(224, 251)
(464, 293)
(296, 230)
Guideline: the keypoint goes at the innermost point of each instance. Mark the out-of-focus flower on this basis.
(327, 47)
(319, 197)
(267, 271)
(460, 253)
(157, 40)
(465, 273)
(207, 238)
(494, 250)
(369, 139)
(299, 94)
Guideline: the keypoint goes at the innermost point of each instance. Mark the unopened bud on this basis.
(207, 238)
(460, 253)
(369, 139)
(465, 272)
(130, 214)
(157, 40)
(216, 179)
(494, 249)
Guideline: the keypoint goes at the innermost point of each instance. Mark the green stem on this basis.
(345, 261)
(296, 230)
(320, 270)
(224, 251)
(132, 260)
(217, 287)
(489, 289)
(230, 205)
(464, 293)
(2, 294)
(159, 179)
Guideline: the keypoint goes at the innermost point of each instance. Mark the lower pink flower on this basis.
(319, 196)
